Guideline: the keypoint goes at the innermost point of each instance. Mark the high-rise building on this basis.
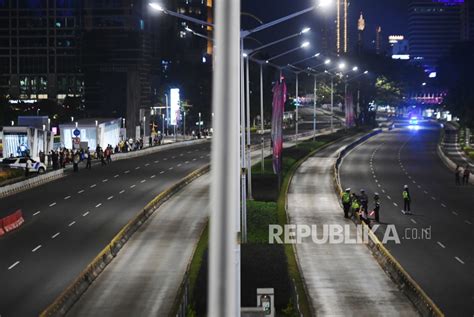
(434, 25)
(116, 59)
(342, 7)
(39, 51)
(360, 33)
(378, 40)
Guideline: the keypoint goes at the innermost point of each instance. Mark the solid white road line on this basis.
(133, 186)
(55, 235)
(67, 197)
(441, 245)
(85, 214)
(71, 224)
(81, 191)
(459, 260)
(98, 205)
(37, 213)
(93, 185)
(110, 197)
(52, 204)
(37, 248)
(413, 220)
(13, 265)
(122, 191)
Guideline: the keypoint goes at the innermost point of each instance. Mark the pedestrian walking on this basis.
(346, 202)
(406, 199)
(88, 159)
(457, 174)
(466, 174)
(76, 158)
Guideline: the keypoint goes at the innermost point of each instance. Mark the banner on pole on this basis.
(278, 107)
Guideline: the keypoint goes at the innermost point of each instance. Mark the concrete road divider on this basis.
(11, 222)
(30, 183)
(423, 303)
(73, 292)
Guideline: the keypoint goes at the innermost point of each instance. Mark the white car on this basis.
(20, 163)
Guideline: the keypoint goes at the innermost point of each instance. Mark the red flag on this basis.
(279, 99)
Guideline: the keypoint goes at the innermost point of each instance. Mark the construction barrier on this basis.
(11, 222)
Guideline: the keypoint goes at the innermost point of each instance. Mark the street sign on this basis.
(76, 143)
(76, 132)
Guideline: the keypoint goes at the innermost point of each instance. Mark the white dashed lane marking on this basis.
(122, 191)
(36, 249)
(156, 161)
(187, 162)
(425, 192)
(71, 224)
(413, 220)
(105, 180)
(454, 213)
(115, 176)
(37, 213)
(147, 164)
(389, 197)
(170, 168)
(459, 260)
(81, 191)
(162, 172)
(52, 204)
(110, 197)
(395, 204)
(126, 172)
(142, 181)
(468, 222)
(441, 245)
(178, 165)
(67, 197)
(132, 186)
(55, 235)
(98, 205)
(13, 265)
(93, 185)
(152, 176)
(443, 205)
(85, 214)
(137, 168)
(432, 197)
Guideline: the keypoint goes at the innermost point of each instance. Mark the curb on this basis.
(73, 292)
(15, 188)
(422, 302)
(448, 162)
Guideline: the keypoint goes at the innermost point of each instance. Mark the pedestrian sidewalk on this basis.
(451, 148)
(341, 279)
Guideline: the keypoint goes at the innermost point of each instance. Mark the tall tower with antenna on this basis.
(342, 7)
(360, 31)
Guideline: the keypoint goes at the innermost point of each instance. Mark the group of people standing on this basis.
(354, 204)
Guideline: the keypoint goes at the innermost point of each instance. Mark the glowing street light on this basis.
(355, 68)
(342, 66)
(305, 30)
(305, 44)
(324, 3)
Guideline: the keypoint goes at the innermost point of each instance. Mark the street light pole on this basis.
(163, 126)
(345, 101)
(332, 102)
(262, 127)
(199, 124)
(249, 163)
(296, 105)
(224, 248)
(243, 160)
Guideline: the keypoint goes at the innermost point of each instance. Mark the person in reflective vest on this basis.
(355, 205)
(346, 202)
(406, 199)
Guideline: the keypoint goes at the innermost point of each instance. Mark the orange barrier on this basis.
(12, 221)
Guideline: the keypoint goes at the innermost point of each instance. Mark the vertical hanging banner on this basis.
(278, 107)
(174, 105)
(350, 117)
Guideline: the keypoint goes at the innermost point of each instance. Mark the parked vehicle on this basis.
(20, 163)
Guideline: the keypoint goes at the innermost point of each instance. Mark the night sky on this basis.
(392, 15)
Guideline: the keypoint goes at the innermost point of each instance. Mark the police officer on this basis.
(364, 200)
(346, 202)
(406, 199)
(355, 205)
(376, 207)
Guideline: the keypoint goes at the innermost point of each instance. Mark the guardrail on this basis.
(30, 183)
(73, 292)
(423, 303)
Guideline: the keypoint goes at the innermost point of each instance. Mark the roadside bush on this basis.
(259, 216)
(10, 173)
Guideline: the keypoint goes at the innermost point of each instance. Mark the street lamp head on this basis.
(327, 62)
(305, 30)
(324, 3)
(366, 72)
(266, 61)
(156, 6)
(424, 84)
(305, 44)
(244, 55)
(342, 66)
(188, 29)
(317, 54)
(355, 68)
